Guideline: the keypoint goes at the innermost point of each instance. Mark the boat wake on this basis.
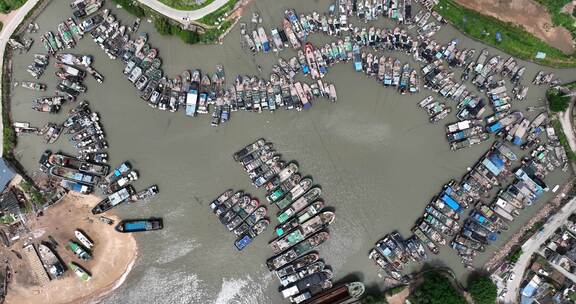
(163, 286)
(244, 290)
(176, 251)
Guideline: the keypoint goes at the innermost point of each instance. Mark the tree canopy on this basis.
(483, 290)
(436, 289)
(558, 102)
(163, 26)
(374, 299)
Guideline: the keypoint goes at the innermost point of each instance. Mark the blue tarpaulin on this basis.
(450, 202)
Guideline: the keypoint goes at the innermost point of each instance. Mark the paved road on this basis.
(532, 246)
(564, 272)
(566, 122)
(184, 17)
(7, 31)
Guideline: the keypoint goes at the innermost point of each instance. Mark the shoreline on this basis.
(115, 255)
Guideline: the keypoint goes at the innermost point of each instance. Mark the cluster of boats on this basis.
(117, 185)
(543, 78)
(436, 110)
(441, 218)
(38, 67)
(75, 174)
(85, 133)
(67, 35)
(303, 221)
(70, 86)
(242, 215)
(486, 221)
(193, 91)
(53, 264)
(69, 32)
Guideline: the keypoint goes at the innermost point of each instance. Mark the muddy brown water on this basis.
(374, 154)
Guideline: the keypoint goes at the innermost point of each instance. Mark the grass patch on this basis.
(212, 35)
(515, 40)
(186, 5)
(514, 255)
(214, 17)
(131, 7)
(7, 219)
(557, 101)
(165, 27)
(572, 296)
(33, 194)
(9, 5)
(9, 139)
(563, 139)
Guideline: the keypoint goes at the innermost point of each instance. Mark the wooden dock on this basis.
(36, 264)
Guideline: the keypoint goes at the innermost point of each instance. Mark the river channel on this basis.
(373, 152)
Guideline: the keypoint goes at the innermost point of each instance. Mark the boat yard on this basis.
(114, 255)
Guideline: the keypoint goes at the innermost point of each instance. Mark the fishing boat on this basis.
(252, 233)
(284, 188)
(113, 200)
(84, 240)
(307, 228)
(293, 194)
(299, 204)
(145, 194)
(192, 96)
(304, 215)
(220, 207)
(381, 261)
(338, 294)
(249, 149)
(426, 241)
(470, 141)
(73, 175)
(80, 272)
(263, 40)
(235, 205)
(306, 283)
(242, 211)
(297, 264)
(79, 251)
(150, 224)
(35, 86)
(50, 261)
(311, 61)
(77, 164)
(297, 250)
(250, 221)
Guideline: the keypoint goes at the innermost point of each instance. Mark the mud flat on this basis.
(114, 255)
(528, 14)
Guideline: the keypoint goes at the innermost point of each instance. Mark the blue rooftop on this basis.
(6, 174)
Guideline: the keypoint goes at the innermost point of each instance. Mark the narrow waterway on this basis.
(376, 157)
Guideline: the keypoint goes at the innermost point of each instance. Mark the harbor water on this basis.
(374, 153)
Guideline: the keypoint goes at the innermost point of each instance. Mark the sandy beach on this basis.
(114, 255)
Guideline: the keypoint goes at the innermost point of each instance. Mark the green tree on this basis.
(374, 299)
(483, 290)
(514, 256)
(162, 25)
(558, 101)
(436, 289)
